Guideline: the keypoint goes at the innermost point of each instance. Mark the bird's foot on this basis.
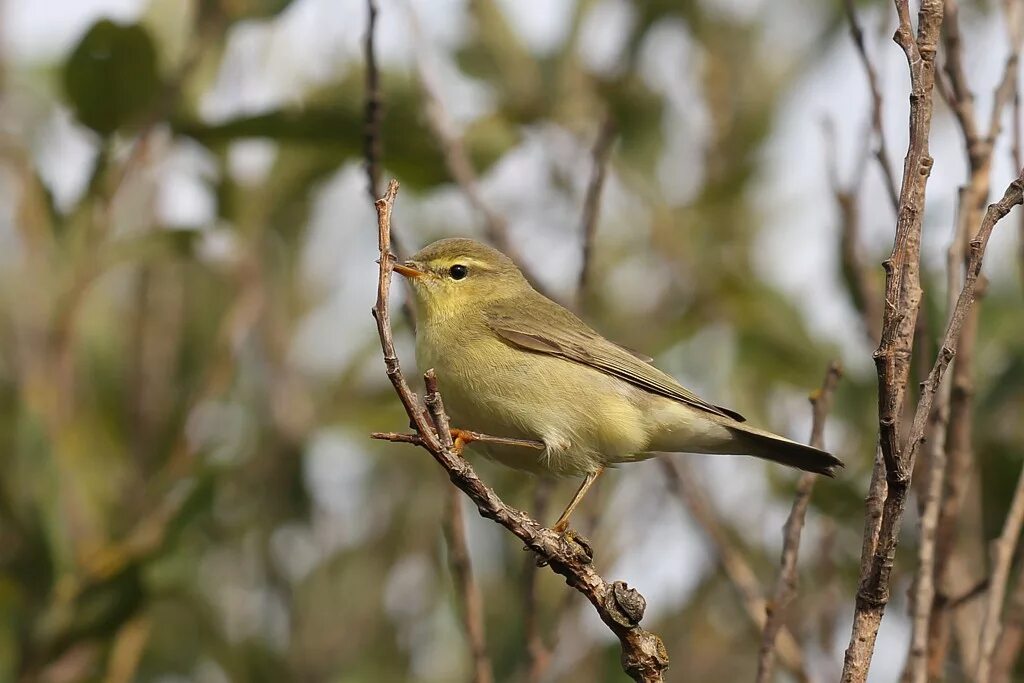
(579, 544)
(462, 439)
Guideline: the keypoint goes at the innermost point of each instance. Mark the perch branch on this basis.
(415, 439)
(621, 608)
(785, 587)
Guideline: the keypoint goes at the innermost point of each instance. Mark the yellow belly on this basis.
(585, 418)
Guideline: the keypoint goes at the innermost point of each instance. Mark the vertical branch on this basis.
(371, 126)
(859, 282)
(462, 573)
(458, 163)
(683, 484)
(1003, 550)
(537, 652)
(1011, 639)
(471, 603)
(920, 663)
(592, 203)
(978, 145)
(881, 151)
(899, 318)
(1018, 162)
(785, 587)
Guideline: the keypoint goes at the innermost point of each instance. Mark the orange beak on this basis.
(407, 271)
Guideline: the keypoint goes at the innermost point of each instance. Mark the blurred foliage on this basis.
(165, 456)
(111, 76)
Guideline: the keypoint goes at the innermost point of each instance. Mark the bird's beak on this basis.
(406, 269)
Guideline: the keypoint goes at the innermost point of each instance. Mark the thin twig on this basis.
(1012, 637)
(1018, 162)
(457, 160)
(785, 587)
(860, 283)
(685, 487)
(881, 153)
(621, 608)
(923, 634)
(1003, 550)
(462, 573)
(372, 139)
(415, 439)
(458, 549)
(961, 99)
(537, 652)
(592, 203)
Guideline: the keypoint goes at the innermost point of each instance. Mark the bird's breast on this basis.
(587, 419)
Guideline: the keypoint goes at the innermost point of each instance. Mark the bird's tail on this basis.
(762, 444)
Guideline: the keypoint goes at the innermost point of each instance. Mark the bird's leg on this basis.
(462, 439)
(563, 522)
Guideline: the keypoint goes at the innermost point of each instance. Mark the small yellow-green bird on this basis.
(513, 363)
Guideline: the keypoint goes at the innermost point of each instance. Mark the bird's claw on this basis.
(579, 543)
(461, 439)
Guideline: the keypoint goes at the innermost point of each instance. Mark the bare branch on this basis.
(923, 640)
(538, 653)
(899, 318)
(785, 587)
(861, 285)
(462, 573)
(959, 458)
(1012, 637)
(1002, 556)
(473, 436)
(621, 608)
(684, 485)
(881, 153)
(592, 202)
(961, 99)
(458, 163)
(1018, 162)
(371, 127)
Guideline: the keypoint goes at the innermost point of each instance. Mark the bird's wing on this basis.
(542, 326)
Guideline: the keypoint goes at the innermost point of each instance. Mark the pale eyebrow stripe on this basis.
(471, 263)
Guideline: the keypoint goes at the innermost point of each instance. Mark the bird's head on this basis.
(457, 274)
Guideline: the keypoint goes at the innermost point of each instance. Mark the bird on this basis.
(513, 363)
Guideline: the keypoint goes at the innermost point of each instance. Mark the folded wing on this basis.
(542, 326)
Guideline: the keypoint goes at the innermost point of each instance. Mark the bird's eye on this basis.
(458, 271)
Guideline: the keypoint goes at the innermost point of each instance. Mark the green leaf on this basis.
(111, 77)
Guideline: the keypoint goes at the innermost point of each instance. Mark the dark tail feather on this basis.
(752, 441)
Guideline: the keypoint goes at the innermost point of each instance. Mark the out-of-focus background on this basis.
(189, 371)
